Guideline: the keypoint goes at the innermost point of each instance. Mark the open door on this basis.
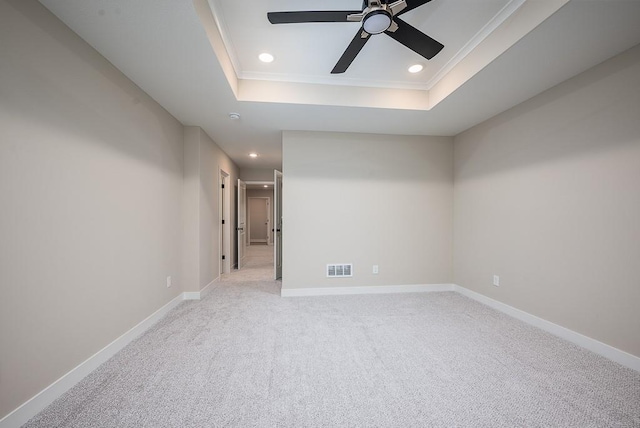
(277, 222)
(225, 224)
(242, 222)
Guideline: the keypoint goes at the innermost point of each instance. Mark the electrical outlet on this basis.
(375, 269)
(168, 281)
(496, 280)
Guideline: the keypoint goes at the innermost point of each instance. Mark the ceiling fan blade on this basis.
(412, 4)
(351, 52)
(415, 39)
(310, 16)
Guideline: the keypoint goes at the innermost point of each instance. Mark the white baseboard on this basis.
(210, 286)
(375, 289)
(607, 351)
(198, 295)
(45, 397)
(191, 295)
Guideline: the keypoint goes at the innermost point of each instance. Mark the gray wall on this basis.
(99, 194)
(260, 193)
(91, 172)
(367, 199)
(258, 213)
(256, 174)
(203, 162)
(547, 195)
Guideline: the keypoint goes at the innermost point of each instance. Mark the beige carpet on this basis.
(245, 357)
(258, 265)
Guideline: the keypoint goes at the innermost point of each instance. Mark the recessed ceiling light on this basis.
(266, 57)
(253, 155)
(266, 185)
(416, 68)
(234, 116)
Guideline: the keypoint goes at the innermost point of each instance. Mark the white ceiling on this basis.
(169, 49)
(307, 52)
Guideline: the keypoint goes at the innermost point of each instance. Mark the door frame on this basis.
(277, 224)
(241, 214)
(224, 215)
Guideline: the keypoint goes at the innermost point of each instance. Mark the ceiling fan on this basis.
(377, 16)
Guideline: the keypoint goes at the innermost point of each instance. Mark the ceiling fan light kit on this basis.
(377, 17)
(377, 22)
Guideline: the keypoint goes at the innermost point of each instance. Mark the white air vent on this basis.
(339, 270)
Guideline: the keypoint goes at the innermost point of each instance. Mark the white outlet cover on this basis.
(168, 281)
(496, 280)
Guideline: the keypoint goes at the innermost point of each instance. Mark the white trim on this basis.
(340, 81)
(45, 397)
(259, 183)
(198, 295)
(607, 351)
(226, 41)
(375, 289)
(593, 345)
(207, 289)
(191, 295)
(491, 26)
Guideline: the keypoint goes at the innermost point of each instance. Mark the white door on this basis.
(225, 231)
(242, 222)
(277, 223)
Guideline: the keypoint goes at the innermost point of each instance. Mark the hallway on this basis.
(258, 266)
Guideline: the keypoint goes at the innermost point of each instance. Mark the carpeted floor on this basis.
(245, 357)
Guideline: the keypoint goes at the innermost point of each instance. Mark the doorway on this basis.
(259, 220)
(241, 229)
(277, 222)
(225, 225)
(274, 223)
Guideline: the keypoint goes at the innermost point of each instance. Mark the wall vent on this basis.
(339, 270)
